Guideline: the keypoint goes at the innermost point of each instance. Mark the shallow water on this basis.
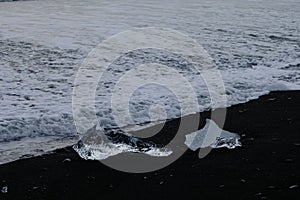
(255, 44)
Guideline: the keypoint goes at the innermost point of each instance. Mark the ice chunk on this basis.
(101, 144)
(4, 189)
(212, 136)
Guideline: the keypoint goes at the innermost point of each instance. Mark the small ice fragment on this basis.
(293, 186)
(66, 160)
(212, 136)
(258, 194)
(4, 189)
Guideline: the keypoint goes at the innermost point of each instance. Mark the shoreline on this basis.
(265, 167)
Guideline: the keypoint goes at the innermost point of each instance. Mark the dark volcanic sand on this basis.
(265, 167)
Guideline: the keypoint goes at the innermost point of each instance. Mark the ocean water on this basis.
(254, 43)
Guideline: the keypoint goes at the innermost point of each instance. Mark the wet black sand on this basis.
(265, 167)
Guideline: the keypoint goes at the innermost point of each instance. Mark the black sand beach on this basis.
(265, 167)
